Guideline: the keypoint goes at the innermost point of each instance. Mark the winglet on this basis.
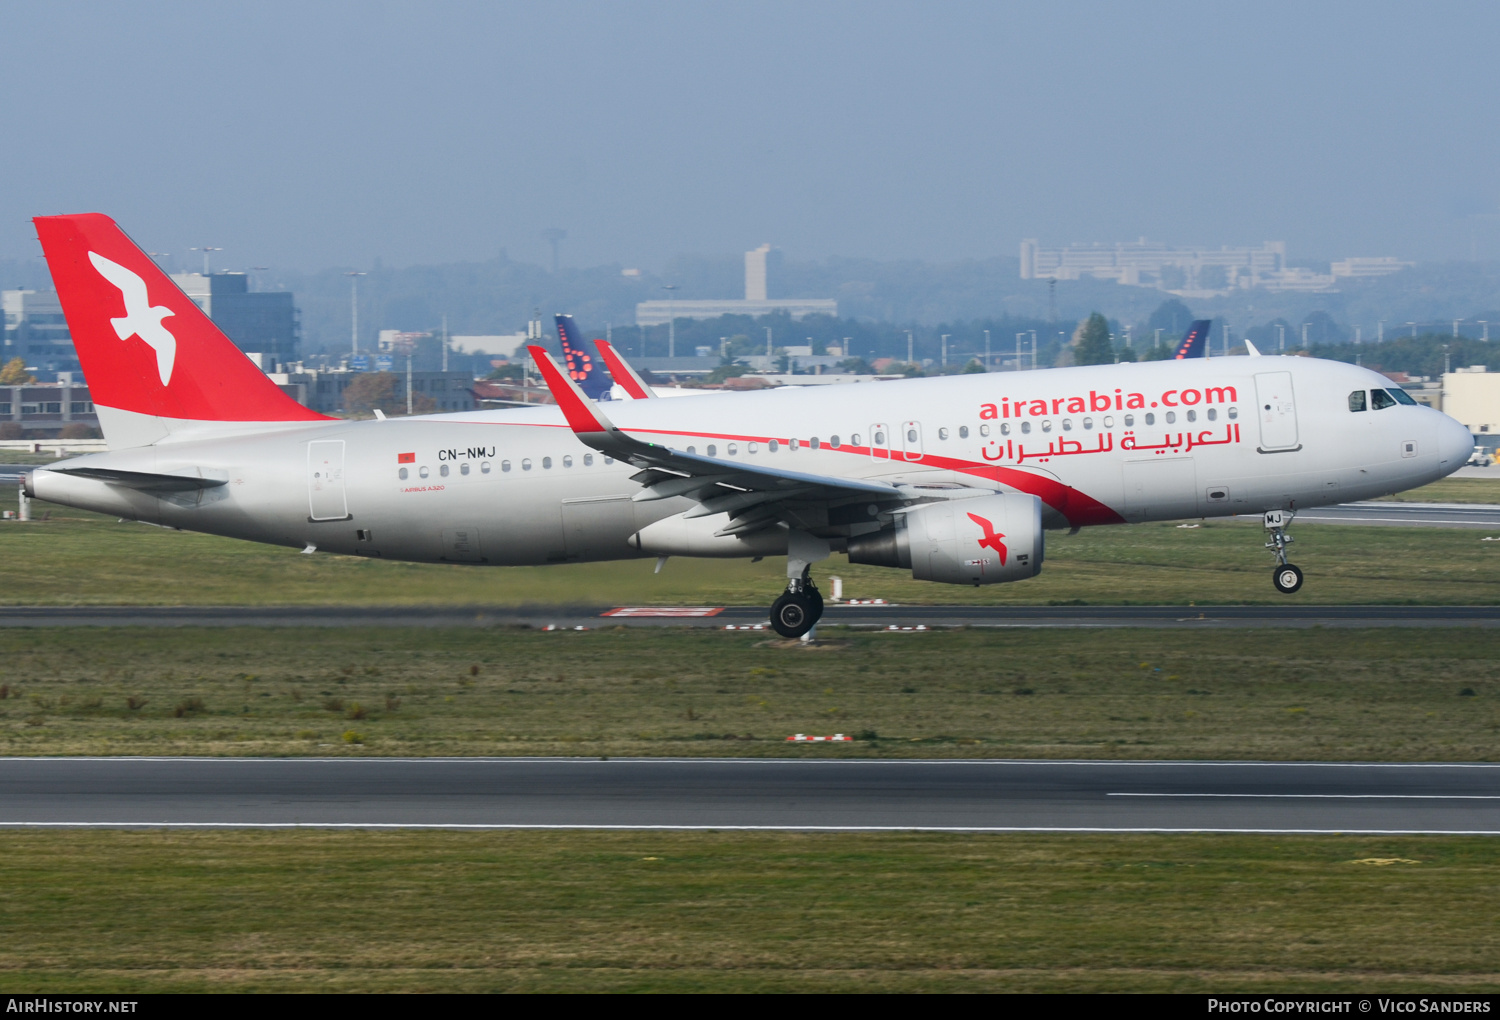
(623, 373)
(1251, 349)
(582, 413)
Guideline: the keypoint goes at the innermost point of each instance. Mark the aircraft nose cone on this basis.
(1455, 442)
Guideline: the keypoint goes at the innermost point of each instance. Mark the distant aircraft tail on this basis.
(154, 362)
(582, 367)
(1195, 340)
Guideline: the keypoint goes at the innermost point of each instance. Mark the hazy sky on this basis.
(307, 134)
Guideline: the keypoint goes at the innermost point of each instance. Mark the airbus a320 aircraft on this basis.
(954, 478)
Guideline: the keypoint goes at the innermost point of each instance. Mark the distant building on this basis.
(1192, 272)
(264, 322)
(42, 410)
(761, 267)
(324, 390)
(36, 331)
(1472, 395)
(1356, 268)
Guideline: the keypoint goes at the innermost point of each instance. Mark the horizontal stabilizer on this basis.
(145, 481)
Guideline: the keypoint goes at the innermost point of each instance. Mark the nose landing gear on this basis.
(1285, 576)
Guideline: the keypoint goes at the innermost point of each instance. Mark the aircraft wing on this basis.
(755, 497)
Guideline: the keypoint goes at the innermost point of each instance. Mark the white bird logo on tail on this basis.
(141, 318)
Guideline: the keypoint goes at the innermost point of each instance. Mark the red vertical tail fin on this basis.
(146, 349)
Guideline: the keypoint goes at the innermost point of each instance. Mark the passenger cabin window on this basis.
(813, 442)
(588, 458)
(1150, 418)
(833, 441)
(963, 432)
(713, 451)
(567, 462)
(1129, 421)
(1192, 416)
(1213, 414)
(443, 470)
(733, 449)
(1067, 424)
(1380, 400)
(463, 468)
(1171, 417)
(751, 447)
(1026, 428)
(1357, 400)
(546, 463)
(401, 474)
(773, 446)
(942, 434)
(1004, 429)
(423, 471)
(526, 464)
(984, 430)
(1234, 412)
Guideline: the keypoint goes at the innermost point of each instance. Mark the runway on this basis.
(884, 616)
(995, 796)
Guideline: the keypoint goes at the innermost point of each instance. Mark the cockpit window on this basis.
(1357, 400)
(1380, 400)
(1402, 397)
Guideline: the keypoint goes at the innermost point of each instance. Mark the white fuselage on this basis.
(1098, 445)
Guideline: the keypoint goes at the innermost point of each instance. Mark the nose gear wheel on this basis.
(1285, 576)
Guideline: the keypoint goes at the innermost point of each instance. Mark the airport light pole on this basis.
(1455, 327)
(910, 357)
(945, 349)
(1280, 337)
(1486, 324)
(1019, 337)
(1380, 332)
(205, 249)
(354, 311)
(986, 350)
(1033, 348)
(1413, 326)
(671, 289)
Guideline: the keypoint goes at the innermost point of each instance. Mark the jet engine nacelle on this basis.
(983, 540)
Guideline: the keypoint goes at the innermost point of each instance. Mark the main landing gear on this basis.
(797, 610)
(1285, 576)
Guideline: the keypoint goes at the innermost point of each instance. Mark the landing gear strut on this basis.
(797, 610)
(1285, 576)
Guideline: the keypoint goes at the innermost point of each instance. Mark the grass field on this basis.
(76, 558)
(1428, 695)
(598, 911)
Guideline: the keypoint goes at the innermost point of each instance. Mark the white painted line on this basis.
(1322, 796)
(459, 826)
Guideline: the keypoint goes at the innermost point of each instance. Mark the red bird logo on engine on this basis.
(991, 539)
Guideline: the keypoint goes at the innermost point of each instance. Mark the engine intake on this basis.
(984, 540)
